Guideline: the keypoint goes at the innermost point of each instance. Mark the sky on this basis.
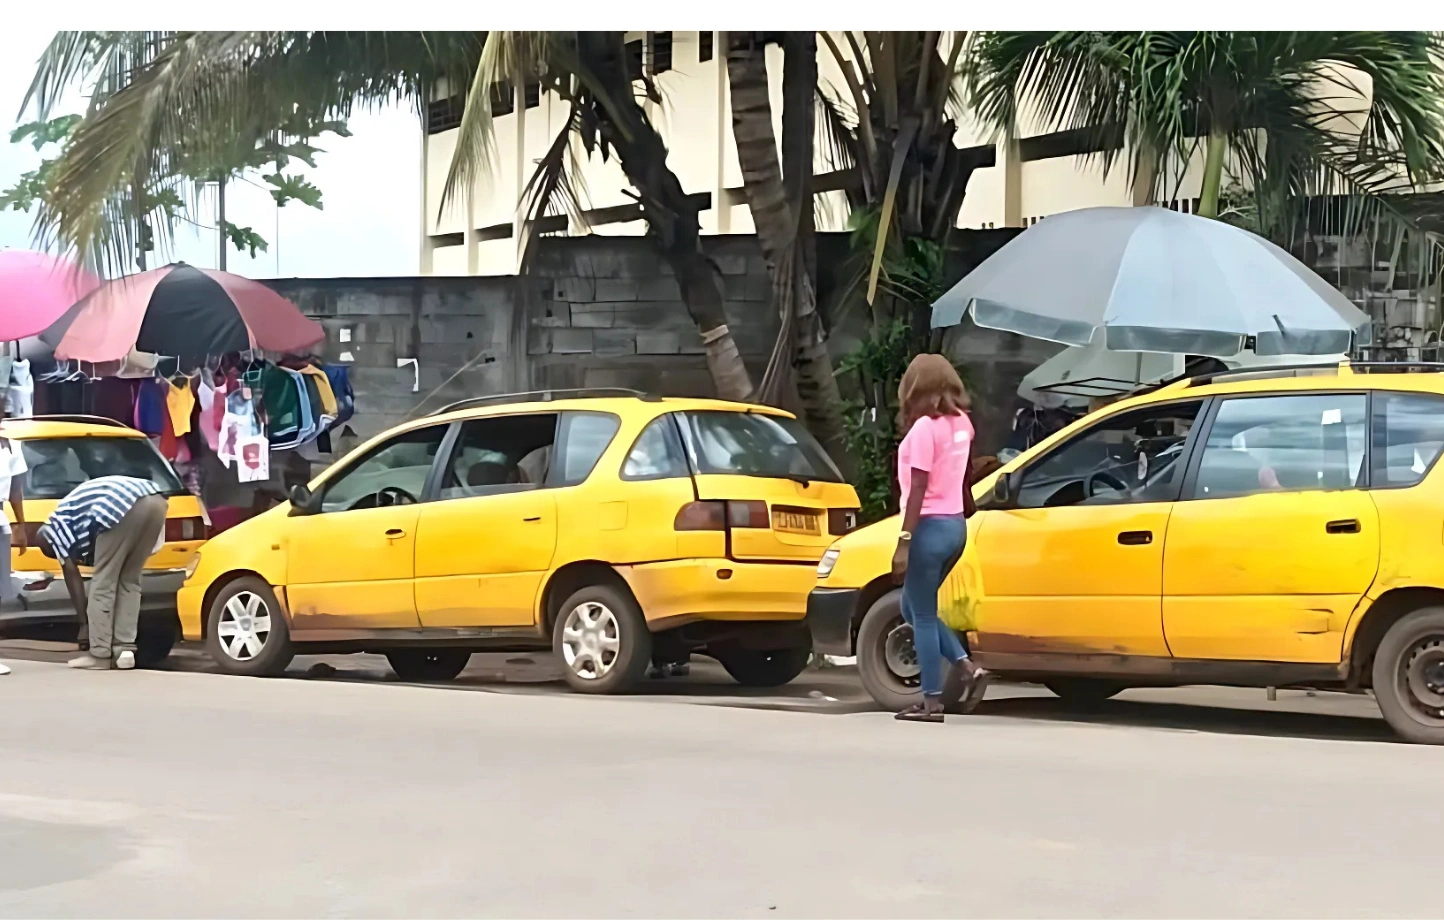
(370, 185)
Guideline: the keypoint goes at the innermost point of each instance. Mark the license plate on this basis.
(793, 522)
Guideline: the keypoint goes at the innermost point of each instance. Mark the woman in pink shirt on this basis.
(937, 498)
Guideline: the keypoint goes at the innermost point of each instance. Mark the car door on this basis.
(1073, 563)
(486, 543)
(351, 562)
(1276, 541)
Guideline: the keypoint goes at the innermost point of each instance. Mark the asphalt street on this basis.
(184, 793)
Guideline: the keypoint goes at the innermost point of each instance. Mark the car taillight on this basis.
(841, 521)
(184, 529)
(701, 516)
(748, 514)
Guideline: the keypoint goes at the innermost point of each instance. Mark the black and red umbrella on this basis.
(183, 312)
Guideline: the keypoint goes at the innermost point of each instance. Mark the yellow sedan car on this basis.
(63, 451)
(1273, 528)
(619, 530)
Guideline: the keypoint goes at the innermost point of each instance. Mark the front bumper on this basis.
(43, 597)
(830, 613)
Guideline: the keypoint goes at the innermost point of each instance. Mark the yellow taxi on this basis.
(618, 530)
(63, 451)
(1262, 528)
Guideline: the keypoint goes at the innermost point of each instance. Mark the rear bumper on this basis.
(829, 617)
(43, 597)
(672, 593)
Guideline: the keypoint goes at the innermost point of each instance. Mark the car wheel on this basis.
(1082, 692)
(154, 640)
(421, 665)
(602, 640)
(246, 630)
(1409, 676)
(772, 668)
(886, 659)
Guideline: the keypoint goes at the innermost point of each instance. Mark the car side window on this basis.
(1408, 436)
(582, 439)
(1129, 458)
(505, 453)
(1295, 443)
(393, 473)
(657, 453)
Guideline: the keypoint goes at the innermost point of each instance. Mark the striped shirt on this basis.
(90, 508)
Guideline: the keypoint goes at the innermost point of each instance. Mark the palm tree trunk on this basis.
(1214, 150)
(780, 202)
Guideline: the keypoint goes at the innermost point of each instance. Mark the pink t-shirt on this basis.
(941, 446)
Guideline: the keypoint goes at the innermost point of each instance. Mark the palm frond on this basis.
(556, 188)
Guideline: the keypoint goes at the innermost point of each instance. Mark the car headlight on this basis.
(829, 559)
(193, 565)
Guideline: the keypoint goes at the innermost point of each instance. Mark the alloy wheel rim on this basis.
(1421, 677)
(900, 655)
(591, 640)
(244, 626)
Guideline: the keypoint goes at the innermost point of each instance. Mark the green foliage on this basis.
(42, 134)
(869, 425)
(244, 238)
(294, 188)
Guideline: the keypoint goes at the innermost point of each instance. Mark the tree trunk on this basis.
(781, 212)
(1216, 147)
(671, 215)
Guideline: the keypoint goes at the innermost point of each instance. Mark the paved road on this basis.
(171, 793)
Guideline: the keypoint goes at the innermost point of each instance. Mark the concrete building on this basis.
(1037, 175)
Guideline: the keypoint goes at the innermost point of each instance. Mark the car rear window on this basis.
(753, 444)
(58, 465)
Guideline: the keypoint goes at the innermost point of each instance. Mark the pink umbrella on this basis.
(35, 289)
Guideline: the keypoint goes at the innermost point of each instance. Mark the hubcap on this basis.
(244, 626)
(1423, 676)
(900, 655)
(591, 640)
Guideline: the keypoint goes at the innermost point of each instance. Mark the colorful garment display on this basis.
(180, 401)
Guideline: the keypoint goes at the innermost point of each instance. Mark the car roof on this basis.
(625, 406)
(65, 426)
(1343, 376)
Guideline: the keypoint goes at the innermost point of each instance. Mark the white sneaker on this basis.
(4, 670)
(90, 663)
(125, 661)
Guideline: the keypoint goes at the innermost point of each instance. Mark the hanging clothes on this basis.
(212, 408)
(150, 407)
(340, 380)
(240, 423)
(315, 377)
(282, 402)
(179, 401)
(22, 390)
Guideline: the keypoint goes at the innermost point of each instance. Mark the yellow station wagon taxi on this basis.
(63, 451)
(618, 530)
(1269, 528)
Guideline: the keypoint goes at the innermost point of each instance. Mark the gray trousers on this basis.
(120, 555)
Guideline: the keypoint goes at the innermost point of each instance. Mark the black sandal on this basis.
(921, 712)
(979, 678)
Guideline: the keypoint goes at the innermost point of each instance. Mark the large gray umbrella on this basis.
(1154, 280)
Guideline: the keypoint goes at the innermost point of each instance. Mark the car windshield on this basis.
(753, 444)
(58, 465)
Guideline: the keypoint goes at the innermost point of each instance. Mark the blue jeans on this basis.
(937, 542)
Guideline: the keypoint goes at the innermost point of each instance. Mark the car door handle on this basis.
(529, 520)
(395, 532)
(1136, 537)
(1349, 526)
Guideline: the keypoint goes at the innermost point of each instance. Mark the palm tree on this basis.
(1274, 103)
(160, 95)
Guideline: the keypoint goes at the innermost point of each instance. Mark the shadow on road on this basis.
(1280, 723)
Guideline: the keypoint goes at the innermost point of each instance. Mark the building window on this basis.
(704, 46)
(503, 99)
(532, 95)
(635, 55)
(444, 114)
(659, 50)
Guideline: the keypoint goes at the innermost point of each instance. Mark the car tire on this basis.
(1084, 692)
(602, 640)
(154, 640)
(1408, 676)
(886, 660)
(770, 668)
(422, 665)
(238, 639)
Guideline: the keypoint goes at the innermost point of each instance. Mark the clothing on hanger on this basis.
(22, 390)
(179, 401)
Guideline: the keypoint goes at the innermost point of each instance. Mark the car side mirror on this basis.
(301, 498)
(1004, 489)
